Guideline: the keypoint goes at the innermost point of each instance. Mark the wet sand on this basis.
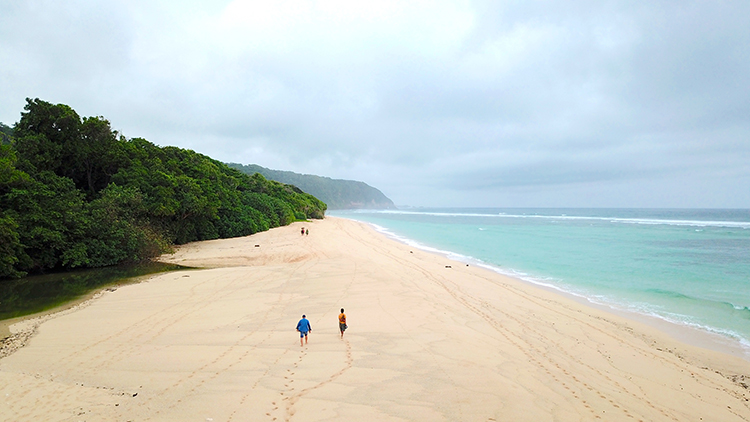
(429, 339)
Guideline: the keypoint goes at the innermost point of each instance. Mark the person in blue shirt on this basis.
(303, 326)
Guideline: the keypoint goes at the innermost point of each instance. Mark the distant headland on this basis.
(336, 193)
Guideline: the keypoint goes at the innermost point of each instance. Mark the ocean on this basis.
(689, 267)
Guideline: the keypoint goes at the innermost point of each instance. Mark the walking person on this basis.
(303, 327)
(342, 322)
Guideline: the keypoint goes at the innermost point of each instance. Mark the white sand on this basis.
(425, 343)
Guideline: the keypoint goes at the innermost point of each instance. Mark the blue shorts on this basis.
(302, 333)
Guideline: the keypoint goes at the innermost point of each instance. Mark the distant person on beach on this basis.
(303, 231)
(307, 231)
(342, 322)
(303, 326)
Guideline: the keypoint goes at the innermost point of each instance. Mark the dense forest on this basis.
(73, 193)
(336, 193)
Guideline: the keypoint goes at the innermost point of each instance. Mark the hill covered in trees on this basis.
(336, 193)
(75, 194)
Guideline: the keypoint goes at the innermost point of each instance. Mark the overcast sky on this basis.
(435, 103)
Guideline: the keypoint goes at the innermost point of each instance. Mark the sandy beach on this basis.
(429, 339)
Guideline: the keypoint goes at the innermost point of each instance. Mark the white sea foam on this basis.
(415, 244)
(632, 308)
(644, 221)
(649, 310)
(510, 272)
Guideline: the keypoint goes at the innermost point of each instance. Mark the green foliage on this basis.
(6, 134)
(94, 155)
(337, 194)
(116, 233)
(43, 133)
(51, 214)
(73, 194)
(10, 247)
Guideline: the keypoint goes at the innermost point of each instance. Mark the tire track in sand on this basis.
(278, 306)
(520, 342)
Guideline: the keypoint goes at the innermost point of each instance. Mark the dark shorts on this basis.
(342, 327)
(302, 334)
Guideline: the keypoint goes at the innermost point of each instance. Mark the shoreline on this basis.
(693, 336)
(428, 340)
(5, 324)
(679, 332)
(682, 333)
(26, 325)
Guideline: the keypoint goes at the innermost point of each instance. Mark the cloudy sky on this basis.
(436, 103)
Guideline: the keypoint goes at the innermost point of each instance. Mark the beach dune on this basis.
(429, 339)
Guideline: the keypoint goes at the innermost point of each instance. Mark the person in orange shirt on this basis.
(342, 322)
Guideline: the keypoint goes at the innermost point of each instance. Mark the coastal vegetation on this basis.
(336, 193)
(76, 194)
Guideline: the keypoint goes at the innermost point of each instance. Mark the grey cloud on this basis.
(505, 100)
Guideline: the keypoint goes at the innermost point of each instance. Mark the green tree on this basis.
(94, 155)
(52, 220)
(42, 134)
(118, 233)
(73, 194)
(6, 134)
(11, 249)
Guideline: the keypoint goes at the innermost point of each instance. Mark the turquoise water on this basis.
(690, 267)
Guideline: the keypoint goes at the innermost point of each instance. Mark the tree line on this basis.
(74, 193)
